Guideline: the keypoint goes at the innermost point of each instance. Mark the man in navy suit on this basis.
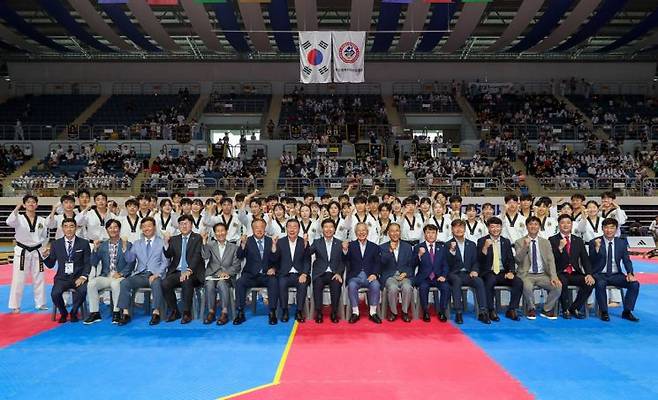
(398, 266)
(293, 268)
(607, 254)
(259, 270)
(328, 269)
(432, 272)
(498, 268)
(72, 255)
(363, 267)
(464, 270)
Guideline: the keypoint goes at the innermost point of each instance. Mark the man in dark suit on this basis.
(498, 268)
(328, 269)
(398, 266)
(293, 268)
(186, 268)
(432, 272)
(464, 271)
(259, 270)
(363, 267)
(607, 254)
(573, 268)
(72, 255)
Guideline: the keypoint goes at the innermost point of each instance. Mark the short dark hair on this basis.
(456, 222)
(470, 207)
(329, 221)
(223, 225)
(68, 220)
(185, 200)
(532, 219)
(610, 221)
(430, 227)
(525, 197)
(592, 202)
(66, 197)
(131, 202)
(360, 200)
(511, 196)
(164, 202)
(186, 217)
(543, 201)
(147, 219)
(100, 194)
(83, 191)
(30, 196)
(293, 220)
(109, 223)
(455, 198)
(494, 221)
(578, 196)
(609, 195)
(227, 200)
(384, 206)
(564, 216)
(426, 200)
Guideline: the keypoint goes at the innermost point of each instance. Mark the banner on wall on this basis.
(315, 57)
(348, 55)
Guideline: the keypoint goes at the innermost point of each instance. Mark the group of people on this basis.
(383, 244)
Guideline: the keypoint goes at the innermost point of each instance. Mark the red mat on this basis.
(647, 278)
(17, 327)
(364, 361)
(5, 275)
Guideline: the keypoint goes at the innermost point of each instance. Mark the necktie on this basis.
(148, 247)
(496, 258)
(260, 247)
(183, 255)
(608, 269)
(569, 270)
(432, 274)
(535, 266)
(69, 250)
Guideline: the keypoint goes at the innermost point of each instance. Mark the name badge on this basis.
(68, 268)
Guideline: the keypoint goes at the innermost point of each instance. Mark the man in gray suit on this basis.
(397, 268)
(534, 256)
(328, 269)
(223, 265)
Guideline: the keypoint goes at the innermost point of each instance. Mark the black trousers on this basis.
(57, 294)
(335, 289)
(515, 284)
(248, 281)
(459, 279)
(169, 285)
(292, 280)
(583, 291)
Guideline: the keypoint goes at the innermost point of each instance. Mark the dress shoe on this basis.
(223, 319)
(210, 318)
(354, 318)
(494, 316)
(375, 318)
(173, 316)
(513, 315)
(531, 314)
(426, 316)
(392, 317)
(406, 317)
(62, 318)
(459, 318)
(566, 314)
(187, 318)
(484, 318)
(442, 317)
(628, 315)
(73, 317)
(239, 319)
(578, 315)
(334, 317)
(116, 317)
(155, 319)
(125, 320)
(548, 314)
(605, 317)
(299, 317)
(272, 318)
(92, 318)
(284, 316)
(40, 308)
(318, 317)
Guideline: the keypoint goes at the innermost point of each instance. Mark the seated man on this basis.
(259, 270)
(432, 272)
(464, 270)
(363, 266)
(607, 254)
(72, 255)
(398, 267)
(328, 269)
(114, 269)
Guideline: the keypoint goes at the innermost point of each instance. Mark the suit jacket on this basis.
(578, 259)
(470, 262)
(254, 264)
(102, 254)
(523, 257)
(506, 256)
(425, 265)
(370, 262)
(192, 254)
(81, 258)
(337, 261)
(229, 262)
(405, 262)
(599, 259)
(155, 262)
(301, 260)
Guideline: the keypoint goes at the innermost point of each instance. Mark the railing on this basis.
(22, 145)
(533, 131)
(328, 149)
(237, 105)
(305, 131)
(476, 186)
(297, 186)
(202, 186)
(627, 186)
(56, 186)
(427, 106)
(143, 149)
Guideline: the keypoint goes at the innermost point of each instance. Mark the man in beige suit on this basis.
(222, 267)
(536, 267)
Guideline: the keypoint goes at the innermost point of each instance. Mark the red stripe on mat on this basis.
(6, 270)
(17, 327)
(396, 361)
(647, 278)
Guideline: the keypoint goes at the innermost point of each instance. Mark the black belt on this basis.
(29, 249)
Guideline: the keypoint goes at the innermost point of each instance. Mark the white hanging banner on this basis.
(315, 57)
(349, 49)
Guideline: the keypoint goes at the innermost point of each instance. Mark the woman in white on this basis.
(591, 226)
(384, 222)
(548, 225)
(342, 224)
(166, 220)
(277, 225)
(442, 222)
(197, 216)
(475, 229)
(308, 228)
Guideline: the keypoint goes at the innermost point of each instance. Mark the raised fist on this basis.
(346, 245)
(421, 251)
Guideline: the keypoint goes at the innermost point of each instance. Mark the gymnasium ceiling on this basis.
(477, 30)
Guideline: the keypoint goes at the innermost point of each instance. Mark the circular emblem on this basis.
(314, 57)
(349, 52)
